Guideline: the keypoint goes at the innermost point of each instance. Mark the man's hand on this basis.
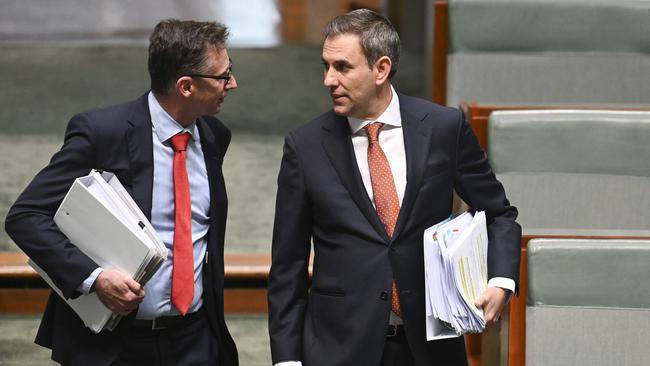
(118, 291)
(492, 301)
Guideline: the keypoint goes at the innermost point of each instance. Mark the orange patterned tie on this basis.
(183, 270)
(384, 192)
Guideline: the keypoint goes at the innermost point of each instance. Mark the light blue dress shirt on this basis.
(157, 300)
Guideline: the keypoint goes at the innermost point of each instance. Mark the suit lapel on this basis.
(140, 147)
(210, 154)
(417, 143)
(337, 143)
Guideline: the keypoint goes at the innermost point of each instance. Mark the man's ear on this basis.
(382, 69)
(184, 86)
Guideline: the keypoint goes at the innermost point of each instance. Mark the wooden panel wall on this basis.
(440, 49)
(303, 20)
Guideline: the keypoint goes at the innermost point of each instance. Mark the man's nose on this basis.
(330, 78)
(232, 83)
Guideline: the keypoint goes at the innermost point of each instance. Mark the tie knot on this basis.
(372, 130)
(179, 141)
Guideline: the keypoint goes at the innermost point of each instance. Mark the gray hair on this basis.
(377, 35)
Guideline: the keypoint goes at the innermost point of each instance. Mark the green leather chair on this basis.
(541, 52)
(588, 302)
(574, 171)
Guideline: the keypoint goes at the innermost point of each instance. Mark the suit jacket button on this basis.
(384, 295)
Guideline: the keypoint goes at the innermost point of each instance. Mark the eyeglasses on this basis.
(225, 76)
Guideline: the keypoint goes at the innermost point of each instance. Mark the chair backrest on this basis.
(548, 51)
(571, 141)
(588, 302)
(574, 169)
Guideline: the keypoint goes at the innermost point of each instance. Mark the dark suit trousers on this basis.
(397, 352)
(191, 344)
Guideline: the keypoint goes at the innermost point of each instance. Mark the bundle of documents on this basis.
(102, 220)
(455, 268)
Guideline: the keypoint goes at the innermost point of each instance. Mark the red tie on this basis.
(384, 192)
(183, 272)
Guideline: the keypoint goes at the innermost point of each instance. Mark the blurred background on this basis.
(571, 174)
(61, 57)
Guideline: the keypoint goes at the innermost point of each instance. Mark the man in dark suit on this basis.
(167, 150)
(362, 182)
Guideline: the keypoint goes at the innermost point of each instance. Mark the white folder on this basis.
(102, 220)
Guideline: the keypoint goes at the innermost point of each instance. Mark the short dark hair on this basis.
(179, 47)
(377, 35)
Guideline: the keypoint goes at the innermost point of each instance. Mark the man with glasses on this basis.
(362, 182)
(167, 150)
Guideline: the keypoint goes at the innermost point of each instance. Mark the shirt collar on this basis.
(164, 126)
(391, 115)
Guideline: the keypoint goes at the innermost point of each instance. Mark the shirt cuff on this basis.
(288, 363)
(502, 282)
(87, 284)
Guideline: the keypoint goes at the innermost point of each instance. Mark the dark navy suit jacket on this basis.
(341, 319)
(116, 139)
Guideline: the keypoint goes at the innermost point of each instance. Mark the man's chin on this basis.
(341, 110)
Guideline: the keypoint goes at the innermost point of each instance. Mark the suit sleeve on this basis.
(288, 279)
(30, 220)
(477, 185)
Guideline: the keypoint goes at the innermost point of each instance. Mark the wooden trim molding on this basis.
(23, 301)
(440, 49)
(28, 293)
(32, 301)
(13, 265)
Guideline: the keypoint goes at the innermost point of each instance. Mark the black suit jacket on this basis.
(116, 139)
(342, 318)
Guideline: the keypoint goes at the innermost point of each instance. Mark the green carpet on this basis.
(250, 170)
(17, 346)
(280, 88)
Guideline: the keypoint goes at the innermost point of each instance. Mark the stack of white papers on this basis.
(102, 220)
(455, 268)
